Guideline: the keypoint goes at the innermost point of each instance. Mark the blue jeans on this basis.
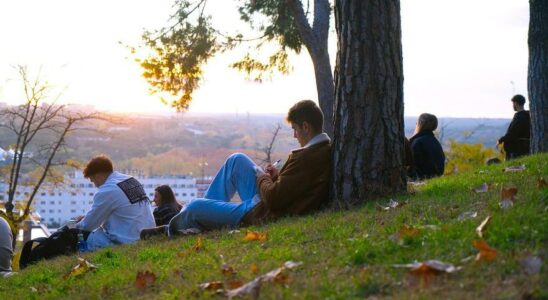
(215, 210)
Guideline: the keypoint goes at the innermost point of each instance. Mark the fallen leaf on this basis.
(227, 270)
(434, 265)
(482, 188)
(255, 236)
(212, 286)
(508, 193)
(82, 267)
(405, 231)
(541, 183)
(468, 215)
(253, 287)
(234, 284)
(514, 169)
(195, 248)
(391, 205)
(144, 279)
(485, 252)
(531, 264)
(254, 269)
(481, 227)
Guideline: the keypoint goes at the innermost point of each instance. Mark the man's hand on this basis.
(272, 171)
(78, 219)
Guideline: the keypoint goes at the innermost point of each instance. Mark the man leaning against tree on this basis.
(300, 187)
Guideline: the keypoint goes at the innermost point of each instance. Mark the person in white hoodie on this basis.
(120, 210)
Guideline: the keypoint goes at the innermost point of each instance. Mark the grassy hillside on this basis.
(344, 255)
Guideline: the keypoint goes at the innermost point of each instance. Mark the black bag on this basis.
(62, 242)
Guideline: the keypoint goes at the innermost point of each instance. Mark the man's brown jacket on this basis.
(301, 187)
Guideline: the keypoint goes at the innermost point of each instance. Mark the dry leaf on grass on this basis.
(227, 270)
(481, 227)
(430, 265)
(485, 252)
(405, 231)
(392, 204)
(531, 264)
(82, 267)
(212, 285)
(255, 236)
(507, 196)
(195, 248)
(482, 188)
(511, 169)
(253, 287)
(144, 279)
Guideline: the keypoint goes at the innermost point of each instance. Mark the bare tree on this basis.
(267, 150)
(41, 130)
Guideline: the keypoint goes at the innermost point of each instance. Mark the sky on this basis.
(461, 58)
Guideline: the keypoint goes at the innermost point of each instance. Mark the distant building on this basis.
(56, 204)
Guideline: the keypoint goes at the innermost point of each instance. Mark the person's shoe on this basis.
(150, 232)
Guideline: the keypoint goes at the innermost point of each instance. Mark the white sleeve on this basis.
(99, 212)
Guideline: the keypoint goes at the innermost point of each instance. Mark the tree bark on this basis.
(368, 146)
(537, 78)
(315, 39)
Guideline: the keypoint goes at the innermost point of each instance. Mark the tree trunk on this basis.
(315, 39)
(325, 87)
(537, 78)
(368, 146)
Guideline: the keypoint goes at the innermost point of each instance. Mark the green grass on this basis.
(345, 254)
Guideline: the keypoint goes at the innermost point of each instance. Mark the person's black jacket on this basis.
(163, 214)
(516, 139)
(428, 156)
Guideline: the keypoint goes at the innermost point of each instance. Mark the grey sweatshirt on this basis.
(6, 250)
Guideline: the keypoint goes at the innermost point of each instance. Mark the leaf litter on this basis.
(82, 267)
(481, 227)
(144, 279)
(486, 253)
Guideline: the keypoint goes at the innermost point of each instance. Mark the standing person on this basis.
(428, 156)
(300, 187)
(167, 206)
(517, 137)
(120, 210)
(6, 248)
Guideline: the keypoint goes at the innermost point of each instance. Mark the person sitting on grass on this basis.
(428, 156)
(120, 210)
(167, 206)
(300, 187)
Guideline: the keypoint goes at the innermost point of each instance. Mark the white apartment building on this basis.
(60, 203)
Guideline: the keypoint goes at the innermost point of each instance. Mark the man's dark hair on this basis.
(519, 99)
(306, 111)
(427, 122)
(98, 164)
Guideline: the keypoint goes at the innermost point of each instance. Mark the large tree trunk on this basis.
(315, 39)
(537, 79)
(368, 146)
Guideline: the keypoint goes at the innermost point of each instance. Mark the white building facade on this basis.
(56, 204)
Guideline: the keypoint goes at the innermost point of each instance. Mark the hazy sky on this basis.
(461, 58)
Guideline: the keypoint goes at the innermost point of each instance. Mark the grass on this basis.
(345, 254)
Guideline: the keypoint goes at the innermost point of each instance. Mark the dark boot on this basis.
(154, 231)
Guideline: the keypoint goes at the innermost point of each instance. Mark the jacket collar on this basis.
(319, 138)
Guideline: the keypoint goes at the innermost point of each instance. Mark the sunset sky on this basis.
(461, 58)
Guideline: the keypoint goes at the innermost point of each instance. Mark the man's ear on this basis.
(306, 127)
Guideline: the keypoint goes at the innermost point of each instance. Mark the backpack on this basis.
(62, 242)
